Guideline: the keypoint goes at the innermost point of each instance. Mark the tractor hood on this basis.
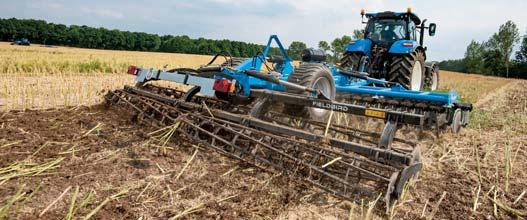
(361, 46)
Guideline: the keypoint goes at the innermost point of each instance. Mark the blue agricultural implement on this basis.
(234, 109)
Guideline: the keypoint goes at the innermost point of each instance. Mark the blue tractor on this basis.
(22, 42)
(391, 49)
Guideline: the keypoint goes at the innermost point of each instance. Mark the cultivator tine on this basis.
(348, 170)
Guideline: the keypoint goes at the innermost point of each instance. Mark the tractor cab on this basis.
(388, 27)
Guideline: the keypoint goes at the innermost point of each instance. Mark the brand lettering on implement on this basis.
(330, 106)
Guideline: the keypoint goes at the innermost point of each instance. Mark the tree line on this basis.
(494, 56)
(42, 32)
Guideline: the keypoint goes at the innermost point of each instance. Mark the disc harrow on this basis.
(235, 110)
(168, 95)
(330, 162)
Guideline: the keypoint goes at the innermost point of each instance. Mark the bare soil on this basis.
(116, 156)
(104, 152)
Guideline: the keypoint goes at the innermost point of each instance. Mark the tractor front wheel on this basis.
(316, 76)
(408, 70)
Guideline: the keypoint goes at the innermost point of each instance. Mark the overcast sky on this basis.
(459, 21)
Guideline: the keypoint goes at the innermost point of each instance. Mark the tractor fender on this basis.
(404, 47)
(360, 46)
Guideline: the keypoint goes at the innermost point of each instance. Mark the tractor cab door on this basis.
(412, 31)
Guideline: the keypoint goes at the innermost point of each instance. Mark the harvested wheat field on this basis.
(67, 155)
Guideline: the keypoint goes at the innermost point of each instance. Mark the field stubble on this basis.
(81, 161)
(41, 77)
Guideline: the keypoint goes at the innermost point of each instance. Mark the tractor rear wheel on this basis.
(351, 61)
(432, 77)
(315, 76)
(408, 70)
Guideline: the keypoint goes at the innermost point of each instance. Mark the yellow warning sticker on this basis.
(376, 114)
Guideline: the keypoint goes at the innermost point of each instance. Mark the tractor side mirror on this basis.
(432, 29)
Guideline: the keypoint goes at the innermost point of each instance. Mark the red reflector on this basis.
(133, 70)
(222, 85)
(408, 44)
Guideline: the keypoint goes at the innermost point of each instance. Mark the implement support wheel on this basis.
(457, 121)
(316, 76)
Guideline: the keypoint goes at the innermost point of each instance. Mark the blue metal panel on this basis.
(380, 87)
(447, 99)
(403, 47)
(363, 46)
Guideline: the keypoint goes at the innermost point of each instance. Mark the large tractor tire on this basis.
(351, 60)
(408, 70)
(432, 77)
(315, 76)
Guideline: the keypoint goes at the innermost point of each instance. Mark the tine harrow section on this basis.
(343, 173)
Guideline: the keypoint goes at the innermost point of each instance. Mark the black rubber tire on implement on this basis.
(307, 74)
(402, 67)
(351, 60)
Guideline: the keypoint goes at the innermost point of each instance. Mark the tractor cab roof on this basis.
(395, 15)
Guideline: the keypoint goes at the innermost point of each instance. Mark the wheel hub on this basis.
(416, 78)
(324, 85)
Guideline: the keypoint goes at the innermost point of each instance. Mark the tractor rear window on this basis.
(386, 30)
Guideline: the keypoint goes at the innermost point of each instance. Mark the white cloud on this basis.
(102, 12)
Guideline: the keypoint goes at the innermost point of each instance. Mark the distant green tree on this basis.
(357, 34)
(492, 57)
(453, 65)
(474, 57)
(505, 40)
(493, 62)
(323, 45)
(521, 55)
(338, 45)
(295, 49)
